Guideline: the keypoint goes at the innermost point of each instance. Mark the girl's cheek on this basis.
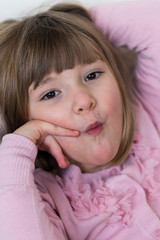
(64, 142)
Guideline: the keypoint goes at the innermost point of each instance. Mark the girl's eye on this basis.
(50, 95)
(92, 76)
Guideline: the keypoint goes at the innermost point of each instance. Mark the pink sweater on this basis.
(118, 203)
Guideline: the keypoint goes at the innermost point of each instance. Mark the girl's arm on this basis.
(23, 213)
(22, 210)
(136, 24)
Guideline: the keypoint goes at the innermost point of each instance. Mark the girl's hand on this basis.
(42, 134)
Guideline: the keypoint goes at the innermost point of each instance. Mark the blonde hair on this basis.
(57, 39)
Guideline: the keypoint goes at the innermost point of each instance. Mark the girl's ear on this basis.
(72, 9)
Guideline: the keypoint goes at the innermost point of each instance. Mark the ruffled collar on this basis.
(91, 194)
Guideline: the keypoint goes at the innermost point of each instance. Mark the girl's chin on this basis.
(96, 165)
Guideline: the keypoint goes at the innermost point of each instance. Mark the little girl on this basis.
(70, 109)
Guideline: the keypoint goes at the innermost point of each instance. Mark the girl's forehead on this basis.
(58, 69)
(80, 70)
(80, 67)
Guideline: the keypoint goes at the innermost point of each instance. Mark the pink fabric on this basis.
(121, 202)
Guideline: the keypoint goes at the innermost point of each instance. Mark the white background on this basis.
(18, 8)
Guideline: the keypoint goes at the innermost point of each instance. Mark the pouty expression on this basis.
(85, 98)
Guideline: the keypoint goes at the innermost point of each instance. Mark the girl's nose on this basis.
(83, 102)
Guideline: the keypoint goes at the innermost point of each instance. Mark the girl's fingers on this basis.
(37, 130)
(52, 147)
(56, 130)
(42, 134)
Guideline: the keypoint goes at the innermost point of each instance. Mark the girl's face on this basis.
(85, 98)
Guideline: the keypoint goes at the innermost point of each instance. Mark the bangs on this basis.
(54, 46)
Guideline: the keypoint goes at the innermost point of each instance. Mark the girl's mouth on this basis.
(94, 129)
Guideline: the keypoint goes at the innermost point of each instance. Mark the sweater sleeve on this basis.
(22, 210)
(136, 24)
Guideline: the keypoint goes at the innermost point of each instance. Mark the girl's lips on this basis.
(94, 129)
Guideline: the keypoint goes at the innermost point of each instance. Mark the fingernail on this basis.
(76, 132)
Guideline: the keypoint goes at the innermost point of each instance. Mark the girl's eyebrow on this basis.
(41, 83)
(46, 80)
